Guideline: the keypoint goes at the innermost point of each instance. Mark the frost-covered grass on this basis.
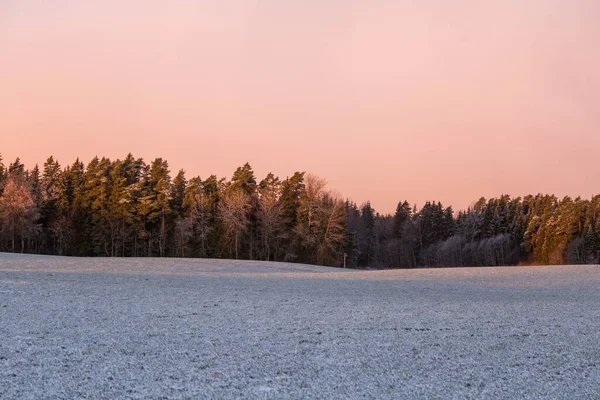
(150, 328)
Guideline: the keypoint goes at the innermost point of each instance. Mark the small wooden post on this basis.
(345, 256)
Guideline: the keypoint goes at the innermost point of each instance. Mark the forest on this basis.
(128, 208)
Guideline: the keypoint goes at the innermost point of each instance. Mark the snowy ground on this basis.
(166, 328)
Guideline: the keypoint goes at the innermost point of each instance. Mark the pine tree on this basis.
(243, 179)
(214, 191)
(96, 202)
(291, 189)
(159, 183)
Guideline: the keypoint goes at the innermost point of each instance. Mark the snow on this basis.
(150, 328)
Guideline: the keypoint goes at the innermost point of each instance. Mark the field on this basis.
(171, 328)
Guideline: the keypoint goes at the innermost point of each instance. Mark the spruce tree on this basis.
(16, 172)
(366, 236)
(402, 214)
(178, 193)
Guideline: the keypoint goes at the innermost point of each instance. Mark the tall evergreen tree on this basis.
(16, 172)
(403, 214)
(159, 197)
(366, 236)
(291, 189)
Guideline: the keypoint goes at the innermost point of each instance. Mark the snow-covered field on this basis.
(169, 328)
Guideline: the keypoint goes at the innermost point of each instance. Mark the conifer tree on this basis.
(178, 193)
(16, 172)
(403, 214)
(56, 232)
(243, 179)
(366, 236)
(291, 189)
(159, 184)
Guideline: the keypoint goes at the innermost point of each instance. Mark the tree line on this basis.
(128, 208)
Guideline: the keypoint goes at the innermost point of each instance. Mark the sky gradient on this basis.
(387, 100)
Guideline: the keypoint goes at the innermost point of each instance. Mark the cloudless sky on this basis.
(387, 100)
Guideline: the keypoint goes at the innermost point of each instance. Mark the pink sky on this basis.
(387, 100)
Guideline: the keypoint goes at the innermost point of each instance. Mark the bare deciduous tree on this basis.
(269, 215)
(334, 232)
(201, 218)
(184, 231)
(61, 233)
(321, 226)
(233, 211)
(18, 214)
